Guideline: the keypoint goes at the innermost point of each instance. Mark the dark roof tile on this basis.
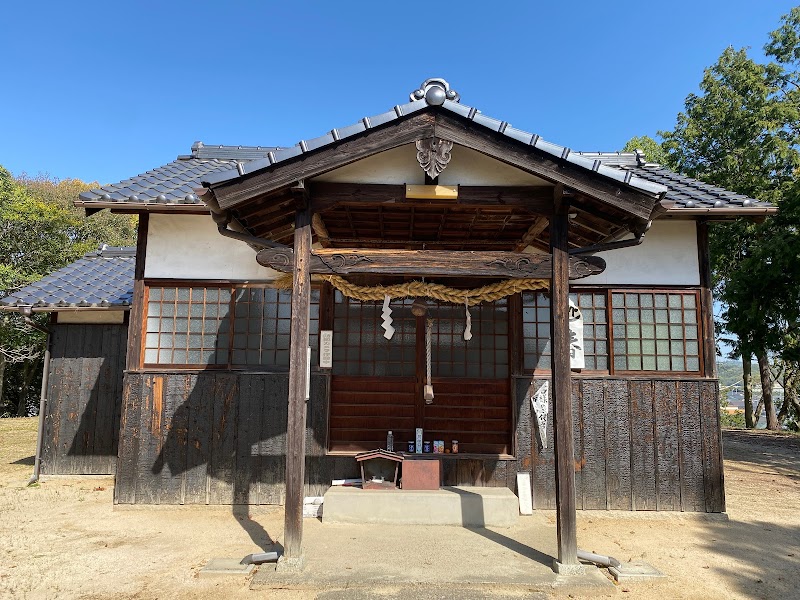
(101, 279)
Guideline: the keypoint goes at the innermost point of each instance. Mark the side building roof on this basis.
(101, 279)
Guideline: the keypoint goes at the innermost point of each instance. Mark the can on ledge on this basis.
(411, 447)
(426, 447)
(454, 447)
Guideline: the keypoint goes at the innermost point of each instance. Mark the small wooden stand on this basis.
(379, 463)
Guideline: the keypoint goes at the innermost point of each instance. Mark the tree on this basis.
(743, 133)
(653, 151)
(41, 231)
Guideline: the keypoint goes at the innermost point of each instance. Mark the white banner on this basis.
(576, 360)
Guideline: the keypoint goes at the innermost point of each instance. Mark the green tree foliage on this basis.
(742, 132)
(653, 151)
(40, 232)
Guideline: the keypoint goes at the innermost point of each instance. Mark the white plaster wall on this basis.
(395, 167)
(469, 167)
(102, 316)
(668, 256)
(190, 247)
(399, 166)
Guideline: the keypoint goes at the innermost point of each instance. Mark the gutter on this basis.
(725, 212)
(37, 464)
(57, 308)
(93, 206)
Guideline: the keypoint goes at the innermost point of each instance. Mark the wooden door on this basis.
(377, 384)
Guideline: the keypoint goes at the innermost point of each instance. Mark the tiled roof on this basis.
(101, 279)
(437, 93)
(683, 192)
(172, 186)
(174, 183)
(686, 192)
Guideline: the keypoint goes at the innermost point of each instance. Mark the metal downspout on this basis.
(609, 245)
(244, 237)
(223, 219)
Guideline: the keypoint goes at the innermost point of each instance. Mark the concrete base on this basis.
(464, 506)
(225, 566)
(565, 569)
(634, 571)
(290, 565)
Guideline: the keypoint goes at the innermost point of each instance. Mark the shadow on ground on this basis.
(472, 513)
(760, 557)
(769, 553)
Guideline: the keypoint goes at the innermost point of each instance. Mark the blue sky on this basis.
(102, 91)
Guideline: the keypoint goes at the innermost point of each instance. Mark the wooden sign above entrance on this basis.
(442, 263)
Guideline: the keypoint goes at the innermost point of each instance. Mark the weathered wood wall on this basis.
(219, 438)
(639, 445)
(84, 398)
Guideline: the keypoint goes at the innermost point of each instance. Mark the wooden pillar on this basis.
(133, 359)
(562, 389)
(706, 301)
(296, 423)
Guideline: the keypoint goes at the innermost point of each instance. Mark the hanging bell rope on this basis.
(428, 391)
(421, 289)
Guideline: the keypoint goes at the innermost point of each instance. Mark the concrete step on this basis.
(464, 506)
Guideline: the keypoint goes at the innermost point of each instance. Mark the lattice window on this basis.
(187, 326)
(655, 331)
(358, 342)
(226, 326)
(595, 328)
(536, 329)
(485, 356)
(649, 331)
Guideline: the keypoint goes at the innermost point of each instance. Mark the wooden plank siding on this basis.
(639, 445)
(221, 438)
(214, 438)
(84, 399)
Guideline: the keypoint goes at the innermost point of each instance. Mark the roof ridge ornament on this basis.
(435, 91)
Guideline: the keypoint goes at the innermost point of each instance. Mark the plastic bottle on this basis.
(390, 442)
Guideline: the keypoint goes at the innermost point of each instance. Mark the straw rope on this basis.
(421, 289)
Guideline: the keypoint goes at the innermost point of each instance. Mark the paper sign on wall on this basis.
(576, 359)
(326, 349)
(308, 373)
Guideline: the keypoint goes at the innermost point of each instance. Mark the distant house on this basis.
(433, 192)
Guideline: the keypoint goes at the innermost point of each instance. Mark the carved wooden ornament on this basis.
(433, 155)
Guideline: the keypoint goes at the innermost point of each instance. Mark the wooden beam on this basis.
(298, 375)
(441, 263)
(539, 225)
(231, 193)
(475, 137)
(136, 322)
(327, 196)
(341, 242)
(706, 301)
(300, 195)
(562, 390)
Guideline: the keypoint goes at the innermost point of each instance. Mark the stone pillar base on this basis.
(287, 564)
(568, 569)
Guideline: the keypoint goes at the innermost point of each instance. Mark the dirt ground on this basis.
(65, 539)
